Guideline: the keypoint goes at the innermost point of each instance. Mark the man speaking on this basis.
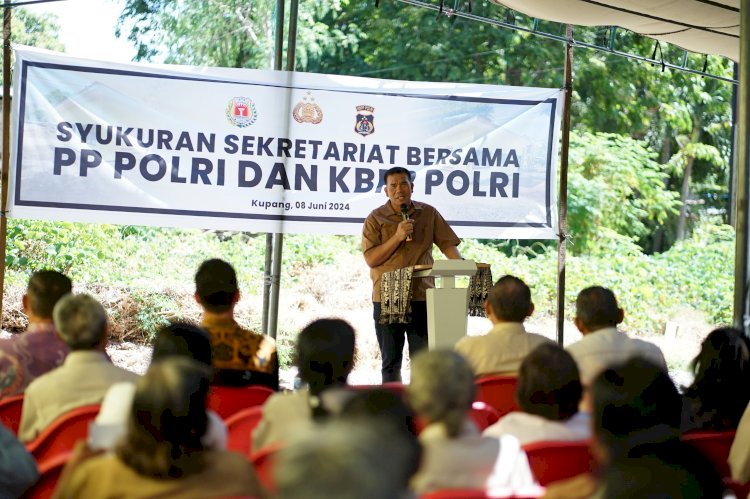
(397, 236)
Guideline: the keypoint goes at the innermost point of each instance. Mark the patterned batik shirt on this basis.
(27, 356)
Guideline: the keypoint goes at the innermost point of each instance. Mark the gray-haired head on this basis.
(81, 322)
(442, 388)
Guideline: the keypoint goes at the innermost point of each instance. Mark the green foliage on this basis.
(617, 193)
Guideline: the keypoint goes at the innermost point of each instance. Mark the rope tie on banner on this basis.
(661, 56)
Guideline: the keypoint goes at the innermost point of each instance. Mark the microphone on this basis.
(405, 216)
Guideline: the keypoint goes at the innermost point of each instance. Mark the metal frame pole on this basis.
(563, 196)
(742, 175)
(6, 149)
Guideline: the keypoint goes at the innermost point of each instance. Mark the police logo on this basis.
(365, 121)
(241, 112)
(307, 111)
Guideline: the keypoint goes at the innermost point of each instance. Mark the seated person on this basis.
(162, 454)
(506, 345)
(86, 374)
(324, 357)
(548, 393)
(17, 467)
(739, 454)
(25, 357)
(341, 458)
(240, 357)
(717, 397)
(455, 455)
(176, 339)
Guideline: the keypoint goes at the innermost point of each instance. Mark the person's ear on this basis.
(487, 308)
(531, 310)
(236, 297)
(620, 315)
(579, 324)
(25, 303)
(197, 299)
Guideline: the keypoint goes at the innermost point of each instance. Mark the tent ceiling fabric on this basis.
(703, 26)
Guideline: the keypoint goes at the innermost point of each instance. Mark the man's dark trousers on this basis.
(391, 339)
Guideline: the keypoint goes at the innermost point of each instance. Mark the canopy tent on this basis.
(703, 26)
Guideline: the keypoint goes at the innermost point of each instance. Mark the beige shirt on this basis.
(501, 350)
(83, 379)
(528, 428)
(739, 454)
(605, 347)
(227, 474)
(429, 228)
(471, 461)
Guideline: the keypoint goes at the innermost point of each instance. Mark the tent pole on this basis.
(6, 150)
(278, 239)
(267, 269)
(742, 175)
(563, 195)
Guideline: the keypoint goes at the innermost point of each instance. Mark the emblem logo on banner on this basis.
(365, 123)
(307, 111)
(241, 112)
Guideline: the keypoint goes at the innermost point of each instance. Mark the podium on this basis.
(447, 305)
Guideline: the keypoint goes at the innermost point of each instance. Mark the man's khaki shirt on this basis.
(429, 228)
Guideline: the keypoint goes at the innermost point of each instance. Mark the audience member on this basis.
(366, 459)
(162, 454)
(86, 374)
(721, 387)
(240, 357)
(455, 456)
(27, 356)
(548, 393)
(739, 454)
(17, 467)
(176, 339)
(324, 358)
(382, 404)
(602, 345)
(635, 421)
(503, 349)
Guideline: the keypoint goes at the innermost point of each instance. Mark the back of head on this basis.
(216, 285)
(80, 321)
(366, 460)
(44, 290)
(442, 388)
(381, 404)
(549, 383)
(596, 308)
(325, 353)
(184, 339)
(510, 299)
(635, 405)
(168, 419)
(721, 371)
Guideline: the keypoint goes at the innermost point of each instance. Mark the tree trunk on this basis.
(685, 191)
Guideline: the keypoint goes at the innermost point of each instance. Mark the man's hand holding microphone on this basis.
(406, 227)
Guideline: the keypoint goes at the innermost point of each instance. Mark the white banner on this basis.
(268, 151)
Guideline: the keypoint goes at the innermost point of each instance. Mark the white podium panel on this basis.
(447, 305)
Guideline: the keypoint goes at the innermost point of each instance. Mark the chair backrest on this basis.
(263, 461)
(240, 428)
(49, 474)
(60, 436)
(551, 461)
(483, 415)
(228, 400)
(499, 391)
(10, 412)
(478, 494)
(715, 446)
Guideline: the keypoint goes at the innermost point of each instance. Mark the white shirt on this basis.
(501, 350)
(529, 428)
(111, 423)
(606, 347)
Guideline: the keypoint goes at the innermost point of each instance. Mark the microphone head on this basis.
(404, 208)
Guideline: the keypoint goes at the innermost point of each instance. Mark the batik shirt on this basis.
(27, 356)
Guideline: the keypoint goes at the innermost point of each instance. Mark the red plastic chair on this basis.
(49, 474)
(499, 391)
(551, 461)
(10, 412)
(715, 445)
(263, 461)
(229, 400)
(240, 428)
(60, 436)
(483, 415)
